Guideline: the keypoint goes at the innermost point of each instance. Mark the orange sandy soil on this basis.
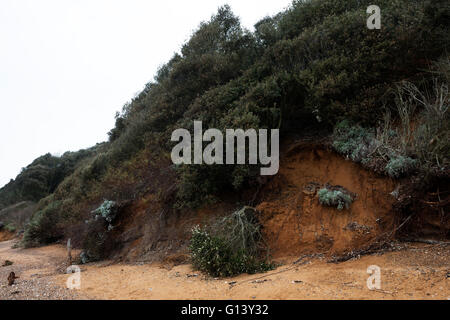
(419, 271)
(36, 269)
(5, 235)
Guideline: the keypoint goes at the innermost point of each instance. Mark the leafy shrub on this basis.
(399, 166)
(94, 244)
(335, 198)
(107, 211)
(97, 241)
(43, 227)
(353, 141)
(234, 247)
(388, 147)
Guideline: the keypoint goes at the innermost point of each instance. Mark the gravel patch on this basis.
(37, 289)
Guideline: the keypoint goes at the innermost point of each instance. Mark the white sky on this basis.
(66, 66)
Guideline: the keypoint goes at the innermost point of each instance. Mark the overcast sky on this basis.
(66, 66)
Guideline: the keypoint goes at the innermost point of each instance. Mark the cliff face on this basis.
(305, 70)
(296, 223)
(293, 221)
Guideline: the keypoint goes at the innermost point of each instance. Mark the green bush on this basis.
(353, 141)
(98, 241)
(389, 147)
(335, 198)
(231, 248)
(107, 211)
(43, 227)
(399, 166)
(94, 244)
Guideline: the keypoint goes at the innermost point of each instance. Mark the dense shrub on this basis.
(107, 211)
(94, 243)
(353, 141)
(418, 140)
(314, 61)
(97, 241)
(43, 227)
(233, 246)
(335, 198)
(361, 145)
(399, 166)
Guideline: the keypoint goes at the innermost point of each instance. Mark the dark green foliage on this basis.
(316, 61)
(419, 141)
(94, 243)
(97, 242)
(41, 177)
(233, 246)
(43, 227)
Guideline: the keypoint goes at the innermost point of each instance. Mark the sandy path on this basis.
(418, 272)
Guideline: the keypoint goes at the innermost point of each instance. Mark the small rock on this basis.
(192, 275)
(260, 281)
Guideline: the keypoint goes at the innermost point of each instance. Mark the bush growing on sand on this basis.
(335, 198)
(232, 246)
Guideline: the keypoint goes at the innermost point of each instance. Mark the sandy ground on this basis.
(419, 271)
(36, 269)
